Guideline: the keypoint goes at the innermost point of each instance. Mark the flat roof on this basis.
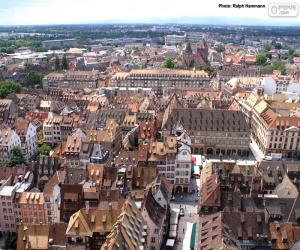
(7, 190)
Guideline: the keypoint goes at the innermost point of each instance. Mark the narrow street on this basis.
(188, 203)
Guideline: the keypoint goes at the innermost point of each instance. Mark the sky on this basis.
(32, 12)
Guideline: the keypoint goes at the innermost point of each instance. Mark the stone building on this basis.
(196, 60)
(161, 79)
(212, 132)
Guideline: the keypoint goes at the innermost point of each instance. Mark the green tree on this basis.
(220, 47)
(278, 46)
(9, 241)
(57, 63)
(16, 157)
(208, 69)
(65, 64)
(8, 87)
(169, 63)
(34, 78)
(44, 149)
(278, 65)
(291, 52)
(267, 46)
(261, 59)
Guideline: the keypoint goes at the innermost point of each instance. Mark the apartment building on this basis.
(30, 207)
(155, 209)
(7, 212)
(72, 79)
(173, 40)
(161, 79)
(110, 137)
(9, 139)
(72, 151)
(52, 197)
(183, 163)
(162, 155)
(28, 135)
(273, 132)
(8, 110)
(52, 129)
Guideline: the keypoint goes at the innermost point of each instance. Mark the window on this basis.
(153, 240)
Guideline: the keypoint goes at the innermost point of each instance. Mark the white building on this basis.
(172, 40)
(52, 197)
(28, 135)
(183, 163)
(9, 139)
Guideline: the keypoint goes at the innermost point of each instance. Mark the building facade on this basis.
(161, 79)
(72, 79)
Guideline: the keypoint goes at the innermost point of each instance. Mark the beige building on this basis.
(273, 132)
(72, 79)
(161, 79)
(52, 129)
(30, 207)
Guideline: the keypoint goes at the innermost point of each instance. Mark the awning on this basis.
(194, 236)
(193, 168)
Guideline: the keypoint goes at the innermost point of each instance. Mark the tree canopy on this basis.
(267, 46)
(278, 46)
(261, 59)
(16, 157)
(64, 63)
(57, 63)
(208, 69)
(8, 87)
(44, 149)
(220, 48)
(169, 63)
(34, 78)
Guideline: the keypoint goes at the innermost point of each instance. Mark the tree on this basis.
(34, 78)
(267, 46)
(278, 65)
(9, 241)
(169, 63)
(278, 46)
(64, 64)
(57, 63)
(291, 52)
(8, 87)
(208, 69)
(44, 149)
(220, 48)
(16, 157)
(261, 59)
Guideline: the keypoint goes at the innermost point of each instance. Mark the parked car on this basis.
(268, 158)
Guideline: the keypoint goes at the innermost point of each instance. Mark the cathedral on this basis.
(196, 60)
